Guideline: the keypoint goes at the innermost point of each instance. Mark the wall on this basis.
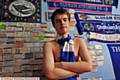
(21, 45)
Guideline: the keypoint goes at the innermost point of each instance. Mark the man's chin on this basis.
(62, 33)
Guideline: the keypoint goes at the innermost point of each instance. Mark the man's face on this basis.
(61, 23)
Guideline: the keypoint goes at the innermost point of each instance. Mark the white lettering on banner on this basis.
(104, 37)
(65, 5)
(116, 49)
(108, 27)
(104, 17)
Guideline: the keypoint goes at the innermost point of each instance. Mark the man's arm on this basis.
(85, 65)
(51, 71)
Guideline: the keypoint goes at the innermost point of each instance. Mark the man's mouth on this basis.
(63, 27)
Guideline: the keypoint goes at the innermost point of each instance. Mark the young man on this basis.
(55, 67)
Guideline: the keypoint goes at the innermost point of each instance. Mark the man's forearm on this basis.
(59, 73)
(77, 67)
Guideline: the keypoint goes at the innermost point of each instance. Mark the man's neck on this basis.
(64, 35)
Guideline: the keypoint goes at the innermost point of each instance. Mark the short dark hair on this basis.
(59, 11)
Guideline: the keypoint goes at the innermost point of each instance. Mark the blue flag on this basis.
(114, 50)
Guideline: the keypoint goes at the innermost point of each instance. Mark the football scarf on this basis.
(67, 52)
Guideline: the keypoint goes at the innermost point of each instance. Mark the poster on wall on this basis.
(81, 6)
(21, 11)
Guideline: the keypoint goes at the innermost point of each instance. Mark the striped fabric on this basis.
(67, 52)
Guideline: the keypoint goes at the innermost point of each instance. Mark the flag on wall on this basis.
(114, 50)
(83, 7)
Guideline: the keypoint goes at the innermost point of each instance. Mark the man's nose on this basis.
(62, 22)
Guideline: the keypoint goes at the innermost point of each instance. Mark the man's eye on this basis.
(65, 19)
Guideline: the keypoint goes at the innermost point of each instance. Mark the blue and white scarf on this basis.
(67, 52)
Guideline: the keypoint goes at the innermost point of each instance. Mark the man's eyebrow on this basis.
(63, 18)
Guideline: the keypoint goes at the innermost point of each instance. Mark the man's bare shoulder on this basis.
(78, 39)
(50, 43)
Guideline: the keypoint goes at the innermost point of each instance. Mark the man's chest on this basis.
(57, 51)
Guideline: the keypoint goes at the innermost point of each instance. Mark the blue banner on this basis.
(102, 31)
(103, 27)
(90, 1)
(114, 50)
(82, 7)
(100, 17)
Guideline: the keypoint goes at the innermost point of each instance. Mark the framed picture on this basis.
(22, 11)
